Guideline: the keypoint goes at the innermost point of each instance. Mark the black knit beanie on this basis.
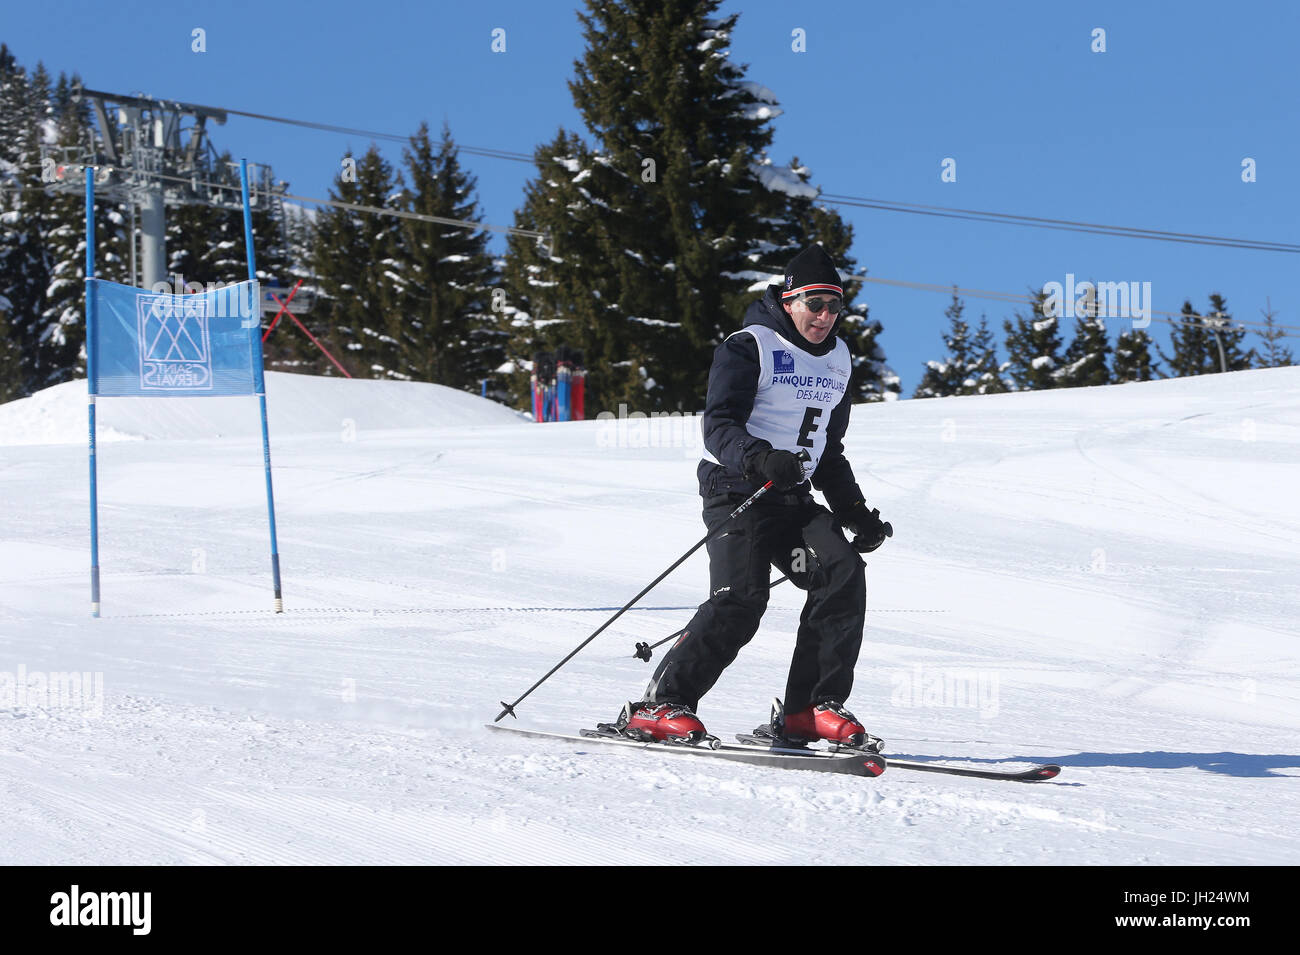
(811, 271)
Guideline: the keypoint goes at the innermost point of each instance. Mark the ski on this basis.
(1033, 774)
(1037, 773)
(851, 763)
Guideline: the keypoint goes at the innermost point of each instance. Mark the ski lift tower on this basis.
(150, 154)
(1214, 322)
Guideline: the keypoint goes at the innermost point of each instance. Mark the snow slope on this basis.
(1106, 578)
(296, 404)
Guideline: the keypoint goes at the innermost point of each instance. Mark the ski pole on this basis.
(510, 707)
(643, 650)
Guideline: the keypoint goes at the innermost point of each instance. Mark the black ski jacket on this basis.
(733, 383)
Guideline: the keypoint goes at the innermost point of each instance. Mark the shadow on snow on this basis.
(1224, 764)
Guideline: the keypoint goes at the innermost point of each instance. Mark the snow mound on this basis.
(296, 404)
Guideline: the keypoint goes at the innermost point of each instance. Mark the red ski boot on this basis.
(827, 721)
(661, 723)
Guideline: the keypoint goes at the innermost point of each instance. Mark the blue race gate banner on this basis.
(159, 344)
(151, 344)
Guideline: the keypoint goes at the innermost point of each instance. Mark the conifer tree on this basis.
(286, 348)
(1133, 360)
(353, 258)
(1206, 344)
(448, 332)
(24, 273)
(663, 228)
(1191, 343)
(802, 222)
(1231, 336)
(19, 246)
(872, 378)
(1033, 345)
(561, 291)
(1085, 357)
(989, 372)
(48, 299)
(1274, 353)
(205, 243)
(11, 371)
(62, 219)
(206, 246)
(955, 373)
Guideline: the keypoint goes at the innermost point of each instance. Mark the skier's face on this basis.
(814, 326)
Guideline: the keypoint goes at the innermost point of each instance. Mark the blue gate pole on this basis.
(562, 393)
(260, 382)
(92, 389)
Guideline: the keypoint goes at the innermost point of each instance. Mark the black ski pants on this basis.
(804, 541)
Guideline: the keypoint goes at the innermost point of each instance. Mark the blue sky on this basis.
(1151, 133)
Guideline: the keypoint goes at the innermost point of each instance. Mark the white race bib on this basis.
(797, 391)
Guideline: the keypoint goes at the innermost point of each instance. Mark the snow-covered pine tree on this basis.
(58, 352)
(1232, 337)
(1033, 345)
(299, 234)
(655, 225)
(1274, 354)
(1191, 343)
(1085, 357)
(1196, 344)
(448, 332)
(872, 378)
(11, 371)
(559, 292)
(801, 222)
(957, 372)
(1133, 361)
(24, 265)
(62, 217)
(353, 259)
(684, 132)
(205, 245)
(287, 348)
(988, 375)
(22, 271)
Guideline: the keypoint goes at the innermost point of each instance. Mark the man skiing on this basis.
(777, 387)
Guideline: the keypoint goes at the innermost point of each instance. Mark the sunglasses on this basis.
(815, 305)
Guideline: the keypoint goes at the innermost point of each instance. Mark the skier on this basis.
(778, 386)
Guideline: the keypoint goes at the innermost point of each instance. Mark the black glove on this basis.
(869, 531)
(782, 468)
